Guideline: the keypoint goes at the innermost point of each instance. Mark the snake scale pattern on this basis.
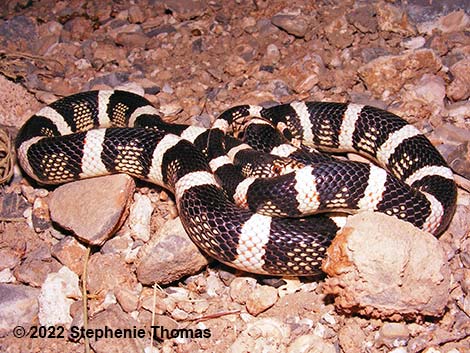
(279, 224)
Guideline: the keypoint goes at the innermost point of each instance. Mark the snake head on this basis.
(268, 166)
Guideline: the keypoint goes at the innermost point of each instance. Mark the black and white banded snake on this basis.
(103, 132)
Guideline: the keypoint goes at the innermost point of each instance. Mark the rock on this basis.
(107, 272)
(18, 307)
(427, 94)
(310, 344)
(393, 334)
(127, 299)
(77, 29)
(55, 297)
(262, 298)
(393, 19)
(70, 253)
(16, 103)
(263, 335)
(136, 15)
(272, 54)
(414, 43)
(110, 197)
(40, 215)
(113, 317)
(140, 216)
(304, 74)
(172, 108)
(363, 18)
(6, 276)
(292, 24)
(132, 40)
(105, 53)
(36, 267)
(384, 267)
(172, 252)
(459, 110)
(459, 159)
(388, 74)
(19, 33)
(452, 22)
(9, 258)
(337, 31)
(186, 9)
(459, 88)
(351, 336)
(240, 289)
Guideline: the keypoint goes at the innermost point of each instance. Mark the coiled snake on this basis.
(272, 230)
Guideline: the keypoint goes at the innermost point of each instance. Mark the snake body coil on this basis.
(102, 132)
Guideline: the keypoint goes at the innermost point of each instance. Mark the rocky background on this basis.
(193, 59)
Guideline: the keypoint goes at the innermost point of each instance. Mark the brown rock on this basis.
(115, 318)
(107, 272)
(338, 32)
(363, 18)
(262, 298)
(186, 9)
(240, 289)
(136, 15)
(292, 24)
(393, 19)
(304, 74)
(459, 89)
(109, 196)
(384, 267)
(351, 336)
(132, 40)
(128, 299)
(392, 333)
(107, 52)
(36, 267)
(390, 73)
(70, 253)
(172, 252)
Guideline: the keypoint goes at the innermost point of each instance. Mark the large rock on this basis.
(169, 256)
(93, 209)
(389, 73)
(385, 267)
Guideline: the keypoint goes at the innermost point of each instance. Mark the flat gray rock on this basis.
(18, 306)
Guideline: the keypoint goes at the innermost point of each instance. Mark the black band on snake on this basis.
(103, 132)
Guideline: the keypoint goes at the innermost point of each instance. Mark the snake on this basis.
(276, 224)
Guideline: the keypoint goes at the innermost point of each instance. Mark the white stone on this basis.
(55, 297)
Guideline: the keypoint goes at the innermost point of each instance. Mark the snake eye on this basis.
(277, 168)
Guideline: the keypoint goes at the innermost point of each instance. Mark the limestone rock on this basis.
(169, 255)
(55, 297)
(93, 208)
(385, 267)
